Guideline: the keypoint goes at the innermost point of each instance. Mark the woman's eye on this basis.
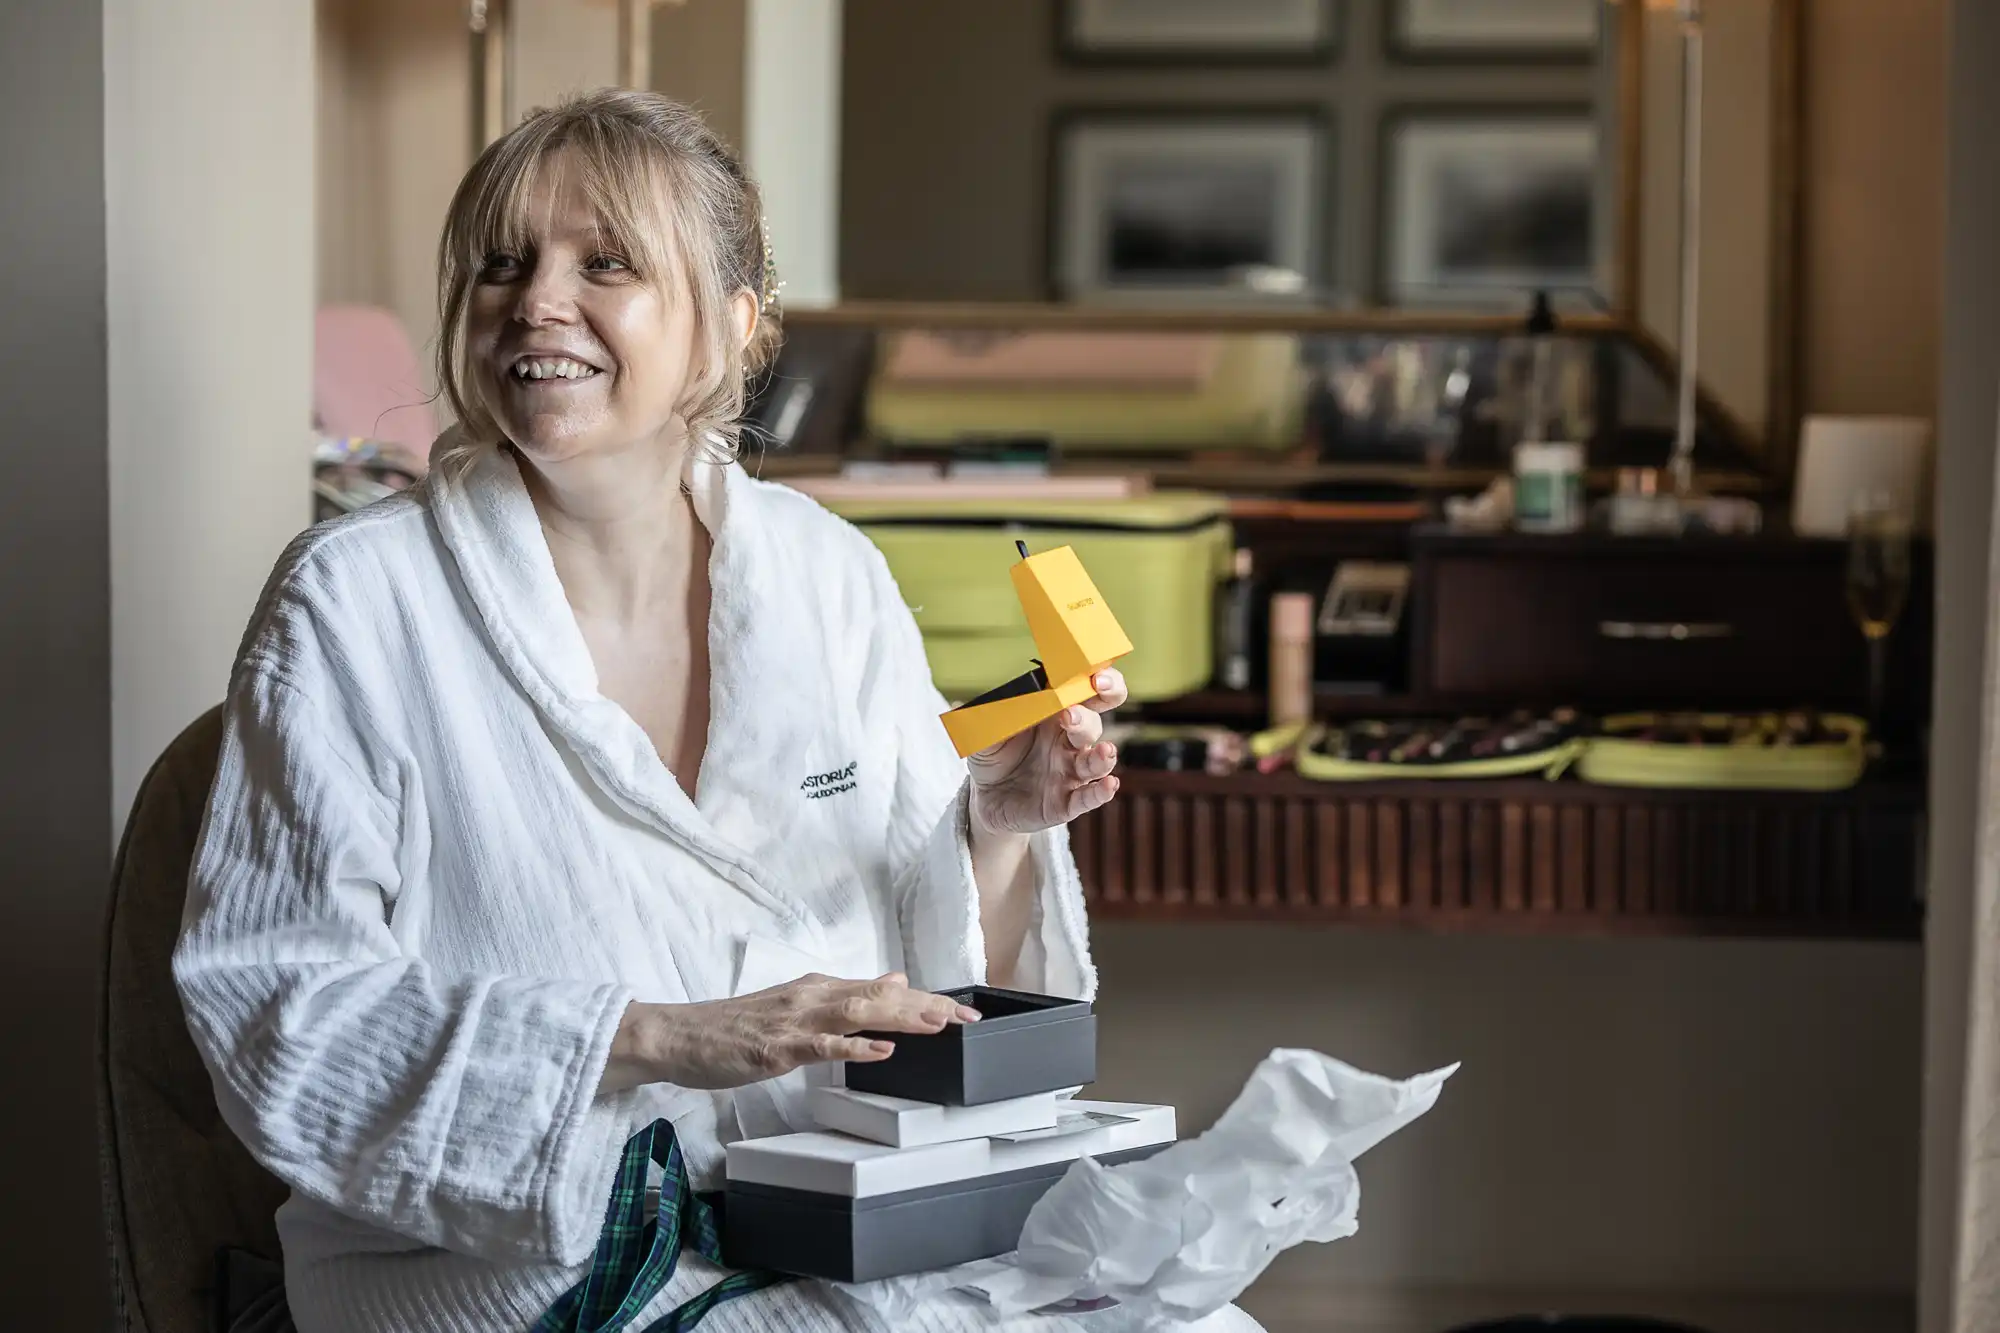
(606, 264)
(499, 268)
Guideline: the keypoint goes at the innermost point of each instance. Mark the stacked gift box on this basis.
(936, 1155)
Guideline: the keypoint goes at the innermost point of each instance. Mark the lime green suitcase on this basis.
(1156, 560)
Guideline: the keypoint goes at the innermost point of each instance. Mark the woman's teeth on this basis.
(552, 368)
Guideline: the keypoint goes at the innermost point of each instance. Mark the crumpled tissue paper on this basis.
(1177, 1236)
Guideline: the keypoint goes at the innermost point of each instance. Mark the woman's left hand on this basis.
(1051, 773)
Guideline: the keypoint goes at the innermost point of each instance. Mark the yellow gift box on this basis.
(1076, 635)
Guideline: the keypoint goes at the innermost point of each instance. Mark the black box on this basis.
(1023, 1044)
(859, 1240)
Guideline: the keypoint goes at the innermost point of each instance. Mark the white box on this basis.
(1841, 458)
(836, 1164)
(902, 1123)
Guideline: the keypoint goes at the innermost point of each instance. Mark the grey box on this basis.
(1024, 1043)
(859, 1240)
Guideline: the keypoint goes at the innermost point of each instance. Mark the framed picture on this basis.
(1482, 207)
(1188, 203)
(1487, 30)
(1198, 31)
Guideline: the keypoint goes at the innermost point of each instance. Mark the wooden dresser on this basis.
(1603, 624)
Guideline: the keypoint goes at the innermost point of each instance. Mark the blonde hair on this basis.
(668, 194)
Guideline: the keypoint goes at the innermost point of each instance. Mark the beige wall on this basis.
(698, 51)
(209, 189)
(1736, 198)
(351, 230)
(55, 678)
(560, 47)
(1874, 171)
(1719, 1128)
(394, 137)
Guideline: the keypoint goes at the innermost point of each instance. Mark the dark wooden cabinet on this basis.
(1617, 623)
(1602, 623)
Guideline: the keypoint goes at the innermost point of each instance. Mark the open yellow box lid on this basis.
(1077, 637)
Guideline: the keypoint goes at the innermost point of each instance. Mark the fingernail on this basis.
(882, 1047)
(967, 1014)
(1103, 682)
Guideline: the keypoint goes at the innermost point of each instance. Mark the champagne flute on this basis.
(1878, 581)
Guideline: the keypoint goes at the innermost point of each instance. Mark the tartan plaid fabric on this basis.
(636, 1256)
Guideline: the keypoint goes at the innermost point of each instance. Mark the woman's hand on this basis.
(1051, 773)
(730, 1043)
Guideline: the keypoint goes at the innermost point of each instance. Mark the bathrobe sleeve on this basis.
(937, 900)
(457, 1112)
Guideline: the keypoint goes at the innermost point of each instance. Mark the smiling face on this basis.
(603, 286)
(574, 349)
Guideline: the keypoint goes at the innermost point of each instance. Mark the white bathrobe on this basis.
(438, 865)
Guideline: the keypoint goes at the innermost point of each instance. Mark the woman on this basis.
(523, 837)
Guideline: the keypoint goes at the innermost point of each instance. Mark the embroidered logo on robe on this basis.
(821, 785)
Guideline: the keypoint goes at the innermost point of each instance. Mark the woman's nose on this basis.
(548, 297)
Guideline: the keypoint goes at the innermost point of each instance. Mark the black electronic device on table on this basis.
(1360, 633)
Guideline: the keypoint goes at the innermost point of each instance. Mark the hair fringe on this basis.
(670, 192)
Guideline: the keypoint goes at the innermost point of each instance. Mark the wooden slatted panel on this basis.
(1266, 851)
(1542, 857)
(1176, 855)
(1298, 870)
(1389, 855)
(1607, 860)
(1513, 857)
(1669, 851)
(1236, 855)
(1423, 856)
(1454, 893)
(1116, 856)
(1329, 869)
(1207, 852)
(1360, 858)
(1482, 857)
(1532, 858)
(1144, 820)
(1573, 853)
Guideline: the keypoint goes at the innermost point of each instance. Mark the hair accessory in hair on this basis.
(769, 296)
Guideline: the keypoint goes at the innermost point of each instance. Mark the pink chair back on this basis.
(367, 382)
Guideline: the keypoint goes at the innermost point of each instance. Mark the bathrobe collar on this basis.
(488, 523)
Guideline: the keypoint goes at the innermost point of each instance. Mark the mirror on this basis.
(1338, 154)
(1358, 164)
(1354, 161)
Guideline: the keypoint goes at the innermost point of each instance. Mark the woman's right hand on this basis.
(730, 1043)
